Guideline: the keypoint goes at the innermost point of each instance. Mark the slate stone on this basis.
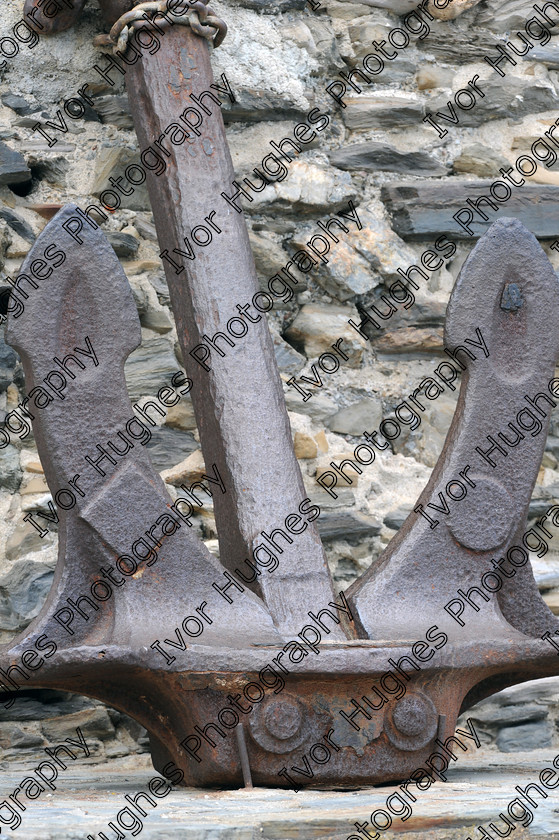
(374, 111)
(13, 735)
(509, 98)
(169, 446)
(150, 367)
(457, 44)
(114, 110)
(479, 159)
(50, 168)
(18, 104)
(531, 736)
(13, 168)
(399, 7)
(124, 244)
(254, 105)
(544, 55)
(538, 507)
(94, 723)
(396, 518)
(22, 590)
(18, 224)
(351, 524)
(111, 161)
(287, 358)
(145, 229)
(374, 157)
(7, 356)
(24, 539)
(10, 470)
(501, 716)
(506, 16)
(426, 210)
(317, 408)
(354, 419)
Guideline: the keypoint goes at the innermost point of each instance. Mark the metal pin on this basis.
(243, 754)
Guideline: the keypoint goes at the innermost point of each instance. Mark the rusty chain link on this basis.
(201, 19)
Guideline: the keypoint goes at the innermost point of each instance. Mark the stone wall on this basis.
(378, 152)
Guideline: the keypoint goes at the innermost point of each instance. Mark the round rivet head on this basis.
(412, 722)
(280, 724)
(282, 718)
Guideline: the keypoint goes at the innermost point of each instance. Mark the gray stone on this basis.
(426, 210)
(111, 161)
(480, 784)
(316, 327)
(19, 225)
(145, 228)
(256, 105)
(268, 8)
(374, 157)
(457, 43)
(22, 591)
(169, 446)
(150, 367)
(269, 256)
(51, 168)
(152, 314)
(10, 470)
(544, 55)
(530, 736)
(348, 524)
(124, 244)
(13, 168)
(395, 518)
(355, 419)
(94, 723)
(317, 408)
(506, 16)
(509, 98)
(287, 358)
(538, 507)
(536, 691)
(23, 540)
(18, 104)
(346, 273)
(481, 160)
(17, 735)
(114, 110)
(381, 247)
(374, 111)
(501, 716)
(7, 363)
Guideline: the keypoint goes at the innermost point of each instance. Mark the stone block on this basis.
(425, 210)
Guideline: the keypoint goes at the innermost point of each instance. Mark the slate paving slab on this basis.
(478, 788)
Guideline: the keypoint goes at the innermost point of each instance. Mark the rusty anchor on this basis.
(507, 289)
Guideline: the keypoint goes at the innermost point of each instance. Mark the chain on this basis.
(194, 13)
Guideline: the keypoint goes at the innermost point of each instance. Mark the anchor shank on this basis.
(239, 402)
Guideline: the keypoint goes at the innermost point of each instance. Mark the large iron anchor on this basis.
(244, 431)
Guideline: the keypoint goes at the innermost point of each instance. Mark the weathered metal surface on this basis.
(507, 290)
(523, 345)
(239, 404)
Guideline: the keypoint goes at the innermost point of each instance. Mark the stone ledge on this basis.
(477, 790)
